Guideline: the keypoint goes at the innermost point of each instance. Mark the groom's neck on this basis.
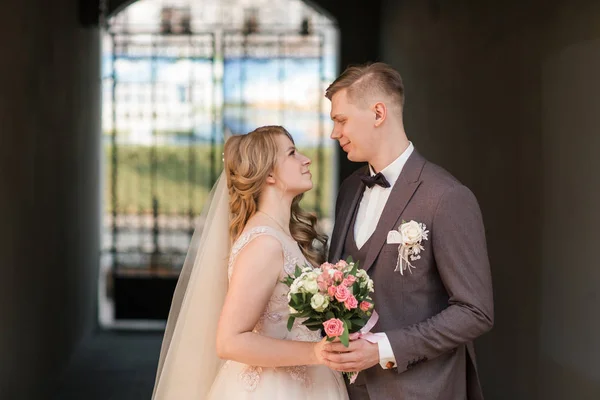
(393, 145)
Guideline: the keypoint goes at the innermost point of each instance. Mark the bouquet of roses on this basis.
(332, 297)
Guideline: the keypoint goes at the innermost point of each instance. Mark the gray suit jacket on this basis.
(432, 315)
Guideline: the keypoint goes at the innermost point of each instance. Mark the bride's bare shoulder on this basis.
(258, 252)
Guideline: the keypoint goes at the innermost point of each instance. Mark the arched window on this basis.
(178, 76)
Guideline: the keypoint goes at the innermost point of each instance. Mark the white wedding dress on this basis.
(239, 381)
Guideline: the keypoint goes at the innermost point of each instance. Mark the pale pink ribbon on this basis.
(365, 333)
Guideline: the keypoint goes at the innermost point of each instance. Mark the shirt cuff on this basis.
(386, 354)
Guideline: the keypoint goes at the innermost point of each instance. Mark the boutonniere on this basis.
(409, 237)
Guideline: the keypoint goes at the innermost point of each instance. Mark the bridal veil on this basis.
(188, 361)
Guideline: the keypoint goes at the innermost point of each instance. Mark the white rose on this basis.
(292, 310)
(362, 274)
(370, 285)
(311, 286)
(319, 302)
(295, 286)
(411, 232)
(312, 276)
(362, 277)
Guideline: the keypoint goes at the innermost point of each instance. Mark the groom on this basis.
(434, 299)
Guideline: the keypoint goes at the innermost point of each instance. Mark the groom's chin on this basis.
(353, 158)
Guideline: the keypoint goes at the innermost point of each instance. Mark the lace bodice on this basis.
(273, 322)
(291, 252)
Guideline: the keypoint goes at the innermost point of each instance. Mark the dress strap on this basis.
(250, 235)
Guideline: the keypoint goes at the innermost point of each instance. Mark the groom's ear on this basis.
(380, 113)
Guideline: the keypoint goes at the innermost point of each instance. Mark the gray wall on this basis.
(570, 327)
(49, 190)
(505, 97)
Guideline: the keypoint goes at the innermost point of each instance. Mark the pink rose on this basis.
(327, 266)
(351, 303)
(338, 276)
(331, 291)
(342, 293)
(327, 269)
(333, 327)
(349, 281)
(365, 306)
(323, 281)
(341, 264)
(322, 286)
(325, 275)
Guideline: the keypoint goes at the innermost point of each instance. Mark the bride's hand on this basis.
(318, 349)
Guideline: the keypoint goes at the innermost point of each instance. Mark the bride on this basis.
(227, 336)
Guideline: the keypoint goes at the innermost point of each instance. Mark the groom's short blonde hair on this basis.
(364, 82)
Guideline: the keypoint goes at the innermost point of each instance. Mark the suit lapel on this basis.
(344, 220)
(402, 192)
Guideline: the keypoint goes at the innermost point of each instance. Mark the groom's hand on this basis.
(359, 356)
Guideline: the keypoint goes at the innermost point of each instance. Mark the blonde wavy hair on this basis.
(249, 159)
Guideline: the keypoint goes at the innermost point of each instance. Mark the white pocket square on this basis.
(394, 237)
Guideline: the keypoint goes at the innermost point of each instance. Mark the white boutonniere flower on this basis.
(409, 237)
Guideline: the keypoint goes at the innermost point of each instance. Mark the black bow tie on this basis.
(377, 179)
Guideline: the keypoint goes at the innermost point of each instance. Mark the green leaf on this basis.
(297, 271)
(302, 314)
(290, 323)
(288, 281)
(314, 328)
(312, 322)
(317, 324)
(297, 298)
(345, 338)
(359, 322)
(349, 260)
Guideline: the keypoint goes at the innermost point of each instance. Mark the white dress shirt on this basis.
(369, 211)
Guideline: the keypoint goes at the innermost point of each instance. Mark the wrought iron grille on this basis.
(164, 149)
(169, 99)
(259, 63)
